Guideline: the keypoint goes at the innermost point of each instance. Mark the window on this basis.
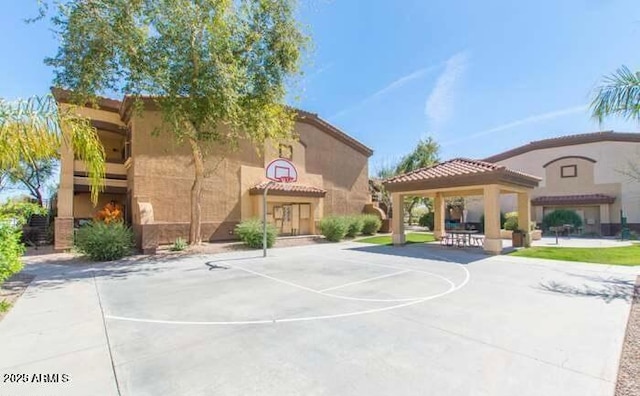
(286, 151)
(569, 171)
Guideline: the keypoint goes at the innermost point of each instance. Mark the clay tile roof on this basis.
(454, 167)
(569, 140)
(584, 199)
(293, 189)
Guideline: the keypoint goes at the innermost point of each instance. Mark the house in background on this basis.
(151, 178)
(584, 173)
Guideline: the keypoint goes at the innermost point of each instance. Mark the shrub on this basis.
(10, 250)
(251, 232)
(427, 220)
(355, 226)
(334, 228)
(511, 222)
(503, 219)
(21, 212)
(370, 224)
(560, 217)
(104, 242)
(178, 245)
(4, 306)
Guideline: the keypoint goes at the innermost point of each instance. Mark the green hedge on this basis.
(371, 224)
(334, 228)
(11, 250)
(251, 232)
(427, 220)
(355, 226)
(561, 217)
(511, 222)
(104, 242)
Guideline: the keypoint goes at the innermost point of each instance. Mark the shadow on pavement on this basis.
(58, 272)
(427, 251)
(604, 288)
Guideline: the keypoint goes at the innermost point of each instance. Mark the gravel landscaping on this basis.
(13, 288)
(629, 373)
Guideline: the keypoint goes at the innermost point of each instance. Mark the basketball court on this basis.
(355, 319)
(326, 319)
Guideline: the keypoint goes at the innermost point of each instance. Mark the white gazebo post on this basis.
(397, 221)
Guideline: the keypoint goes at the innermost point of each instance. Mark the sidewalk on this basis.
(56, 327)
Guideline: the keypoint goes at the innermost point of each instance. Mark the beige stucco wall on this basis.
(161, 171)
(344, 170)
(601, 177)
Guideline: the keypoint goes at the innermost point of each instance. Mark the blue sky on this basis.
(479, 76)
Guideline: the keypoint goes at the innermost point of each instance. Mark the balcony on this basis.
(115, 177)
(113, 170)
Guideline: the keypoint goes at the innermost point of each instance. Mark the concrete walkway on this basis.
(57, 327)
(495, 326)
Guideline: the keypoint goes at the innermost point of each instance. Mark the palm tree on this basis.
(35, 129)
(619, 95)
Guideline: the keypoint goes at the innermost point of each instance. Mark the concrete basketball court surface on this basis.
(330, 319)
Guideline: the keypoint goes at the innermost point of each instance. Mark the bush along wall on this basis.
(11, 250)
(251, 232)
(102, 241)
(336, 228)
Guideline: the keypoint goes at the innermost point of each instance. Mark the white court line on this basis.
(298, 319)
(363, 281)
(452, 285)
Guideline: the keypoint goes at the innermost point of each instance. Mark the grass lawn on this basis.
(627, 255)
(410, 238)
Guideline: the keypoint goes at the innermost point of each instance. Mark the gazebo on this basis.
(462, 177)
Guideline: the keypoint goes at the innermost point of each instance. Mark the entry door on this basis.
(287, 223)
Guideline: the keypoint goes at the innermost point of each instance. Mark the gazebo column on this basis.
(397, 221)
(492, 240)
(524, 216)
(439, 216)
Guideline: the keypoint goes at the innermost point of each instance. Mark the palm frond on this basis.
(619, 95)
(36, 129)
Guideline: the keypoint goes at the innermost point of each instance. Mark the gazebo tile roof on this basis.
(452, 168)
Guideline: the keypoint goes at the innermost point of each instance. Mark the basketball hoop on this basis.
(286, 183)
(284, 173)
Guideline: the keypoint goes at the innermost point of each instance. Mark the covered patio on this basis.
(463, 177)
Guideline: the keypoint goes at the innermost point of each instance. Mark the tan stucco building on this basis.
(151, 177)
(583, 172)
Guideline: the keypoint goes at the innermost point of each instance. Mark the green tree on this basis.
(35, 129)
(619, 95)
(33, 176)
(425, 154)
(217, 69)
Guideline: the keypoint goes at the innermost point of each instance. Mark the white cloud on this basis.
(524, 121)
(319, 71)
(390, 87)
(439, 105)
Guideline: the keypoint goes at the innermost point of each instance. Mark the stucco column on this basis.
(397, 221)
(605, 219)
(439, 216)
(524, 216)
(63, 223)
(492, 240)
(312, 217)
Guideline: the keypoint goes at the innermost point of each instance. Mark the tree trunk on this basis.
(195, 235)
(39, 197)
